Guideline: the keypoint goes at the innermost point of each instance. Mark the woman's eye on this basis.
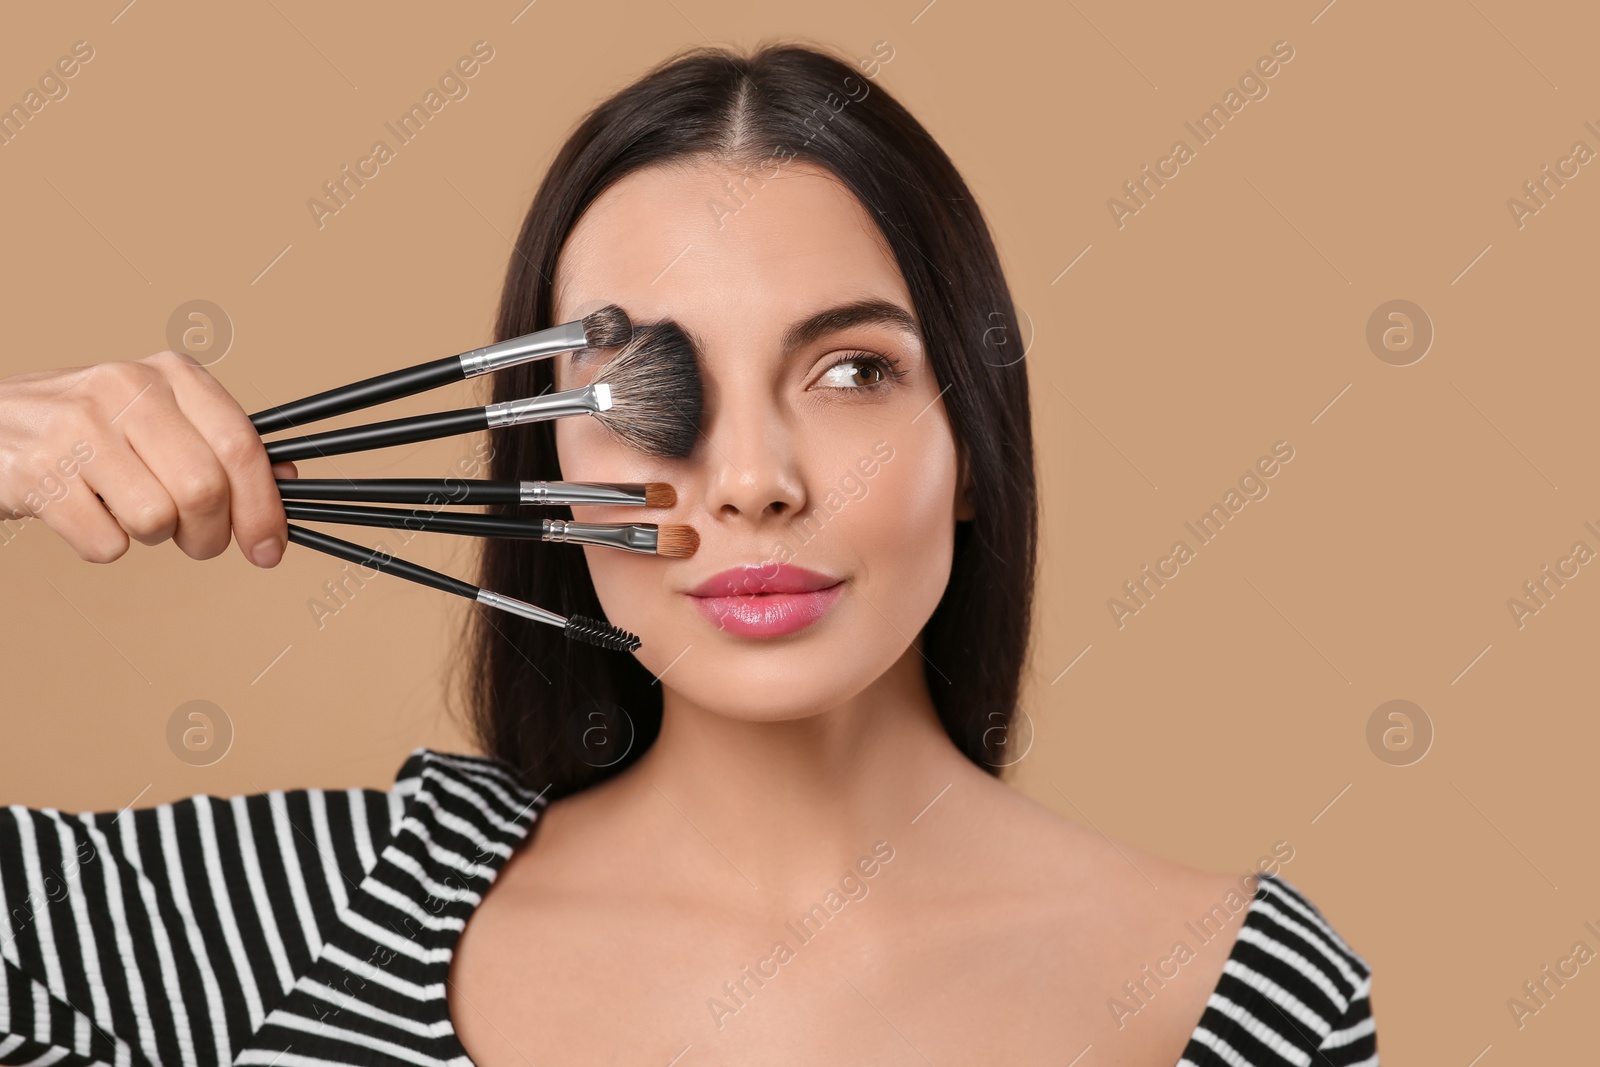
(581, 364)
(862, 371)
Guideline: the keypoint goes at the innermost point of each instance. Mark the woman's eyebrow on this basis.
(870, 312)
(843, 317)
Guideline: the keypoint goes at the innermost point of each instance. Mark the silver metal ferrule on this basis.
(584, 401)
(568, 337)
(519, 607)
(631, 536)
(583, 493)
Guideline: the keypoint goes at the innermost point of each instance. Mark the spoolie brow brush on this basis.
(607, 328)
(648, 395)
(576, 627)
(477, 491)
(671, 539)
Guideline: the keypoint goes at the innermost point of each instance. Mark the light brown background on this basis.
(1227, 315)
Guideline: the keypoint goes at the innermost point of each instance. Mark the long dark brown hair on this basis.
(565, 715)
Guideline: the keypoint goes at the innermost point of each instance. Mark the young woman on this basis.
(775, 834)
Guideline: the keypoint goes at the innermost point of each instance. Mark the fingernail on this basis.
(267, 553)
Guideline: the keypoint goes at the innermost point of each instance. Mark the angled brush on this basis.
(672, 539)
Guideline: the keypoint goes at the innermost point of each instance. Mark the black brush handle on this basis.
(379, 434)
(362, 394)
(433, 521)
(371, 557)
(403, 490)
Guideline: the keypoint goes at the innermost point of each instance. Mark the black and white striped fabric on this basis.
(1291, 992)
(309, 928)
(296, 928)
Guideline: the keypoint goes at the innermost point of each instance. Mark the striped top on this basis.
(311, 927)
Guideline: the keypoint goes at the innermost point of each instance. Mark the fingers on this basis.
(82, 521)
(167, 454)
(135, 499)
(249, 498)
(183, 461)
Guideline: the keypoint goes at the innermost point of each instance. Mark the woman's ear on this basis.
(964, 510)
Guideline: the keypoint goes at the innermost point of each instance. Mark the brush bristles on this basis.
(659, 495)
(655, 392)
(591, 632)
(676, 540)
(607, 328)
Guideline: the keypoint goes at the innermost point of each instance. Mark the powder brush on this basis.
(648, 396)
(607, 328)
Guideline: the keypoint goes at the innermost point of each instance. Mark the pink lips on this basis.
(765, 601)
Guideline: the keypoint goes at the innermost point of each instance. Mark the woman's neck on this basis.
(788, 803)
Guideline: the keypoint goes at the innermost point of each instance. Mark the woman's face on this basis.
(824, 446)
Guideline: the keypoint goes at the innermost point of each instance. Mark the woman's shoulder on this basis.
(231, 887)
(433, 791)
(1285, 986)
(463, 774)
(1247, 953)
(1292, 987)
(463, 799)
(423, 757)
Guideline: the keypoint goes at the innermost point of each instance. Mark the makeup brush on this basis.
(648, 395)
(577, 627)
(607, 328)
(481, 491)
(671, 539)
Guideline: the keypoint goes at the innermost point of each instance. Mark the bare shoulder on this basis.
(1146, 936)
(1116, 876)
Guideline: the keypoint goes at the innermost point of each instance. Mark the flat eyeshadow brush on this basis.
(576, 627)
(479, 491)
(648, 395)
(607, 328)
(670, 539)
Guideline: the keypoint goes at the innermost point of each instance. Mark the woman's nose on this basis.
(751, 459)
